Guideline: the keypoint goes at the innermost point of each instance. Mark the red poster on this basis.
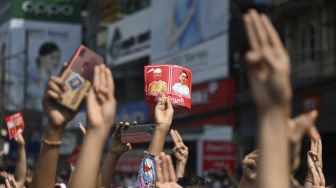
(175, 81)
(14, 123)
(219, 155)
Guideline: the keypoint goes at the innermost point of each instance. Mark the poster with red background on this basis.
(14, 123)
(175, 81)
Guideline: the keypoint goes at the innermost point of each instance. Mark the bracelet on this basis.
(52, 143)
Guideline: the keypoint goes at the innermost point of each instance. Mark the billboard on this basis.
(49, 10)
(128, 39)
(4, 47)
(44, 46)
(191, 33)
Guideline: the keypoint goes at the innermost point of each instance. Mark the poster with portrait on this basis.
(172, 80)
(14, 124)
(49, 45)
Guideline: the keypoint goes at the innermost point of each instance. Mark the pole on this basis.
(26, 61)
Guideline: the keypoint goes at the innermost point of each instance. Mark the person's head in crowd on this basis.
(157, 74)
(195, 182)
(49, 56)
(183, 77)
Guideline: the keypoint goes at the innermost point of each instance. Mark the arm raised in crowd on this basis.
(163, 119)
(115, 152)
(58, 117)
(101, 109)
(181, 153)
(21, 164)
(269, 69)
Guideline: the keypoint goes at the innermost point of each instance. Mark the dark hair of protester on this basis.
(195, 181)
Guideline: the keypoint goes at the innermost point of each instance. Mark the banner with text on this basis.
(128, 39)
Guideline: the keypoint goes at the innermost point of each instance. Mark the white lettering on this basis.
(49, 9)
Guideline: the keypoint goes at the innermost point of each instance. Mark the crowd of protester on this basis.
(271, 165)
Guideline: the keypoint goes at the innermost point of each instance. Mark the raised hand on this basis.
(180, 150)
(298, 127)
(101, 108)
(315, 174)
(166, 177)
(58, 116)
(116, 146)
(250, 165)
(101, 103)
(181, 153)
(267, 62)
(19, 139)
(163, 113)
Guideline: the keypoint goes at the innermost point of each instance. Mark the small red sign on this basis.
(14, 123)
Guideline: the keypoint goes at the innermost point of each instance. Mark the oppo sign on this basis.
(49, 9)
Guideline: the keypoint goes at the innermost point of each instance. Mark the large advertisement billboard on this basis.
(191, 33)
(43, 47)
(128, 39)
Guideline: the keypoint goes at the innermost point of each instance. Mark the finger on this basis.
(96, 77)
(59, 82)
(168, 103)
(82, 128)
(250, 163)
(319, 148)
(165, 171)
(321, 175)
(251, 35)
(110, 81)
(178, 136)
(103, 77)
(174, 136)
(134, 123)
(172, 175)
(158, 170)
(252, 57)
(273, 36)
(313, 133)
(259, 28)
(7, 183)
(118, 129)
(128, 146)
(91, 101)
(53, 86)
(313, 145)
(64, 66)
(54, 95)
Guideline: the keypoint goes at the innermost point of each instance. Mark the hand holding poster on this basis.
(14, 124)
(172, 80)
